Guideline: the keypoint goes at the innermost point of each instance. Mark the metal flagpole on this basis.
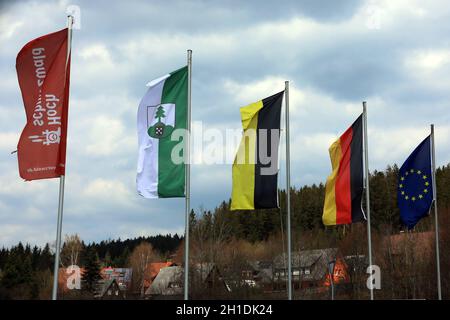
(61, 188)
(436, 218)
(188, 180)
(366, 169)
(288, 192)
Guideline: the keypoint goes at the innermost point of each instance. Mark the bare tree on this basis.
(70, 253)
(139, 259)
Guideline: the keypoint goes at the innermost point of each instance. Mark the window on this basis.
(247, 274)
(307, 271)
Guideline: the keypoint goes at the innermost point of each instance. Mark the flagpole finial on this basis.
(189, 56)
(70, 19)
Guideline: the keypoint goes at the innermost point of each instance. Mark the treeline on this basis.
(115, 253)
(26, 272)
(307, 205)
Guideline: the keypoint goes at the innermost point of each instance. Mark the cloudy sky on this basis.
(393, 54)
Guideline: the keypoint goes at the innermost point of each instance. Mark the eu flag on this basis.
(415, 187)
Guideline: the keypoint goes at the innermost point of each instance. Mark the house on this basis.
(168, 282)
(310, 269)
(153, 270)
(209, 275)
(123, 276)
(108, 289)
(258, 274)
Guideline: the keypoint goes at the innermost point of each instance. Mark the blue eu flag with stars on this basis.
(415, 187)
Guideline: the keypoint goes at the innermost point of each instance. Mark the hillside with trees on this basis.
(228, 239)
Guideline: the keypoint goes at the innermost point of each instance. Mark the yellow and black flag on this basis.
(255, 167)
(344, 188)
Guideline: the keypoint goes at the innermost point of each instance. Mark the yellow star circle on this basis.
(420, 195)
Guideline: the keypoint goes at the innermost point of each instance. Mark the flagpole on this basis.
(436, 218)
(288, 191)
(366, 169)
(61, 187)
(188, 180)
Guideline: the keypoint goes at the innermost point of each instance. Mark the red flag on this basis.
(43, 70)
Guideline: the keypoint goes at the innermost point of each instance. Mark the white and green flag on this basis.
(162, 110)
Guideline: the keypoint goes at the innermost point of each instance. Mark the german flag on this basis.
(344, 187)
(255, 167)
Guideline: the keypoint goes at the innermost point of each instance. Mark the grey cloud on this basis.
(333, 64)
(200, 16)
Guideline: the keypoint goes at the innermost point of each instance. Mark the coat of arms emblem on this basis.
(161, 120)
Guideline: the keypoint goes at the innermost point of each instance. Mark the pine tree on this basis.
(107, 261)
(91, 274)
(35, 257)
(160, 113)
(46, 259)
(17, 277)
(11, 274)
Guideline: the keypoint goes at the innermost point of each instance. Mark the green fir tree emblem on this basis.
(160, 129)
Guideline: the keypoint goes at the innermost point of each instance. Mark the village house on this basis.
(258, 274)
(169, 282)
(153, 270)
(122, 276)
(208, 275)
(310, 269)
(109, 289)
